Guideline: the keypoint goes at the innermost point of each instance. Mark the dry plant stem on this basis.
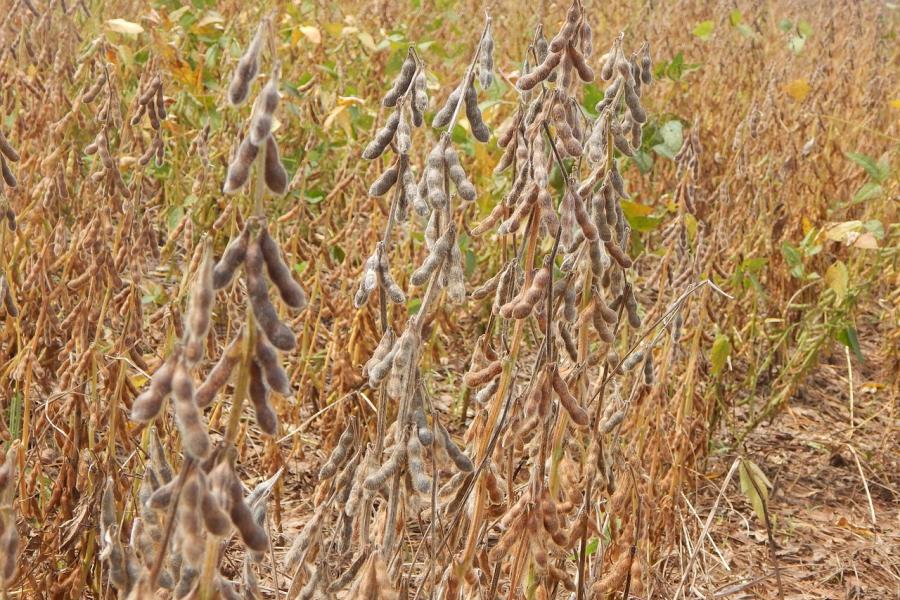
(773, 551)
(470, 74)
(186, 469)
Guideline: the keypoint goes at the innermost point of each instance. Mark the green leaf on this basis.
(672, 133)
(704, 30)
(837, 278)
(847, 336)
(592, 95)
(793, 259)
(804, 28)
(877, 171)
(785, 25)
(868, 191)
(721, 348)
(796, 43)
(750, 474)
(745, 31)
(643, 161)
(734, 17)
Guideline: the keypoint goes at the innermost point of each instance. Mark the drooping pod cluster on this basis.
(260, 135)
(109, 117)
(151, 102)
(377, 274)
(247, 67)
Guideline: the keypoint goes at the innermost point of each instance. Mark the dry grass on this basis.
(773, 198)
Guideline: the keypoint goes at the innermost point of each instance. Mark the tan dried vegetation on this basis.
(503, 295)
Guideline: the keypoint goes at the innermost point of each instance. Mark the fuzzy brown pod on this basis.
(404, 361)
(239, 169)
(220, 373)
(464, 187)
(274, 173)
(378, 367)
(385, 279)
(383, 137)
(454, 275)
(631, 307)
(339, 454)
(148, 404)
(386, 181)
(568, 30)
(266, 316)
(578, 415)
(9, 302)
(421, 482)
(232, 258)
(646, 65)
(402, 81)
(199, 313)
(375, 480)
(247, 68)
(230, 494)
(459, 458)
(279, 272)
(8, 177)
(274, 374)
(480, 130)
(258, 392)
(368, 281)
(194, 437)
(486, 59)
(577, 59)
(618, 254)
(439, 252)
(442, 117)
(420, 99)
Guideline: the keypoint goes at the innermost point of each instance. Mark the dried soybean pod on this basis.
(275, 376)
(439, 252)
(420, 480)
(480, 377)
(8, 176)
(486, 59)
(423, 432)
(259, 395)
(376, 479)
(584, 70)
(403, 363)
(404, 139)
(568, 30)
(464, 187)
(461, 461)
(442, 117)
(633, 359)
(219, 374)
(384, 136)
(578, 415)
(401, 83)
(247, 68)
(646, 66)
(7, 150)
(648, 369)
(394, 291)
(9, 302)
(252, 533)
(280, 274)
(479, 130)
(277, 332)
(368, 282)
(233, 256)
(435, 166)
(274, 174)
(633, 101)
(387, 180)
(239, 169)
(148, 404)
(634, 319)
(339, 455)
(618, 255)
(194, 437)
(200, 310)
(420, 98)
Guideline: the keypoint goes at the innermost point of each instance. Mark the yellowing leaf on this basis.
(797, 89)
(750, 474)
(720, 350)
(837, 278)
(329, 120)
(690, 223)
(366, 39)
(312, 33)
(807, 225)
(866, 241)
(895, 103)
(123, 26)
(633, 209)
(844, 232)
